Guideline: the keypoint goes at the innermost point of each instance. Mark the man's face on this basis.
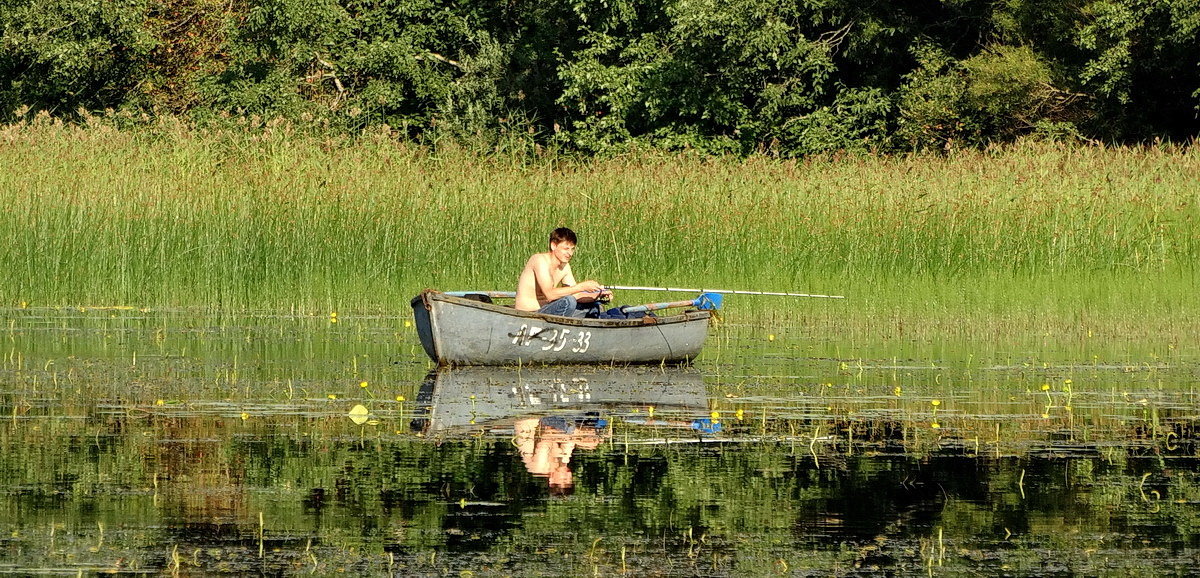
(563, 251)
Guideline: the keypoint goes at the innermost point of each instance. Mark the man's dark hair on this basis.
(562, 234)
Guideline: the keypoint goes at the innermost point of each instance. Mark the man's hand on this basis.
(590, 286)
(592, 291)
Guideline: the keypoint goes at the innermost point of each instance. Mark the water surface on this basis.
(173, 442)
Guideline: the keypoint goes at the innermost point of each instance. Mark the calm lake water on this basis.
(182, 443)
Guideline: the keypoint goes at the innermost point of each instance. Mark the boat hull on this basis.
(460, 331)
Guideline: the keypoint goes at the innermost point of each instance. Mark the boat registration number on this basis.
(552, 339)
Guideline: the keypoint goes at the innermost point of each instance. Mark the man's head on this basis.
(562, 244)
(562, 234)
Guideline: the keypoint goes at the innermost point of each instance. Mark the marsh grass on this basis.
(269, 218)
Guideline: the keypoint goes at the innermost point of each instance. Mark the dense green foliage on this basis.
(741, 75)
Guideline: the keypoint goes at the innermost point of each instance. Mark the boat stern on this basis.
(424, 323)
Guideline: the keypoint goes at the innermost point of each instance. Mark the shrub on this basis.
(64, 55)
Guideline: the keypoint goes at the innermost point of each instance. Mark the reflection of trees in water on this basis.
(876, 501)
(198, 475)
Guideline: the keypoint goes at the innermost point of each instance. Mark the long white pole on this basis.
(729, 291)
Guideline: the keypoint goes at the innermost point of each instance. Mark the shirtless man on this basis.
(548, 286)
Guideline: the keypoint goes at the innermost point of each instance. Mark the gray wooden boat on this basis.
(459, 400)
(465, 331)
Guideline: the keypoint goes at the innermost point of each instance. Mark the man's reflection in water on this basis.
(546, 445)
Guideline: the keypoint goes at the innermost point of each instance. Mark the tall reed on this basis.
(269, 217)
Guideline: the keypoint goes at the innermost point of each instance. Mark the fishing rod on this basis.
(727, 291)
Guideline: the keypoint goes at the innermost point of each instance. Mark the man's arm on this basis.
(587, 295)
(588, 290)
(545, 281)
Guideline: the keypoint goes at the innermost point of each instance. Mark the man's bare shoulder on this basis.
(538, 259)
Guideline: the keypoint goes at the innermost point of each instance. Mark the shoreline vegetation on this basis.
(1023, 238)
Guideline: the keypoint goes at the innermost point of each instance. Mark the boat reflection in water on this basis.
(550, 413)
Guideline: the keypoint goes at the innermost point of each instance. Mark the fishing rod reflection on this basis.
(551, 413)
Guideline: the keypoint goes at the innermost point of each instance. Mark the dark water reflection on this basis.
(186, 444)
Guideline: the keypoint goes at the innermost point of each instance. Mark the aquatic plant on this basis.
(1000, 241)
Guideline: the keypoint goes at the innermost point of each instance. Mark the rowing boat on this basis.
(472, 330)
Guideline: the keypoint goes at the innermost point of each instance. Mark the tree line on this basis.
(789, 78)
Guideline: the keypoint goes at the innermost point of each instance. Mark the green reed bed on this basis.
(269, 218)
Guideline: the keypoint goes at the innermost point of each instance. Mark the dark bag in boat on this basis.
(619, 313)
